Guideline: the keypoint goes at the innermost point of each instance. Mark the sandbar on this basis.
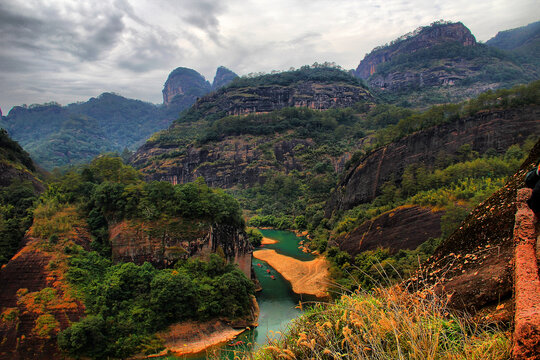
(192, 337)
(306, 277)
(268, 241)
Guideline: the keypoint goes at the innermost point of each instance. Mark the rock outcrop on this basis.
(184, 86)
(36, 301)
(223, 78)
(392, 230)
(422, 38)
(474, 266)
(162, 243)
(497, 129)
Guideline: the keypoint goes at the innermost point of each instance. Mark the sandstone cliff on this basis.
(497, 129)
(184, 86)
(422, 38)
(393, 230)
(162, 243)
(223, 77)
(474, 265)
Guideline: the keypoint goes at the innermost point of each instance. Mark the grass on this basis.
(388, 323)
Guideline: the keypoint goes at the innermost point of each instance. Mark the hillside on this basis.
(20, 184)
(110, 260)
(441, 63)
(517, 38)
(57, 135)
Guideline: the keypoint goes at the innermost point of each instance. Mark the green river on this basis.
(277, 302)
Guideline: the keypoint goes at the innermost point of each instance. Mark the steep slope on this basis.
(183, 87)
(19, 187)
(475, 263)
(495, 129)
(516, 38)
(223, 78)
(205, 142)
(440, 63)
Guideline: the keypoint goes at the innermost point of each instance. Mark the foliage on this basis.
(127, 304)
(16, 206)
(387, 324)
(254, 237)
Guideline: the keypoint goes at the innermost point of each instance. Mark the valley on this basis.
(308, 213)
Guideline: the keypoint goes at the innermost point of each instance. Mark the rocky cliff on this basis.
(36, 301)
(162, 243)
(421, 38)
(441, 63)
(392, 230)
(496, 129)
(474, 265)
(223, 77)
(184, 86)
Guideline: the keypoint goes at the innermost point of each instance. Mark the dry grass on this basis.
(388, 324)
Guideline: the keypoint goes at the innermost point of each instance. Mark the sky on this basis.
(67, 51)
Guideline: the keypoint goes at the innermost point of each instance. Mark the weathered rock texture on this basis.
(405, 227)
(423, 38)
(162, 243)
(266, 98)
(496, 129)
(34, 290)
(9, 174)
(184, 86)
(474, 265)
(526, 340)
(223, 77)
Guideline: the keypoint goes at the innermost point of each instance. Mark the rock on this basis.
(497, 129)
(405, 227)
(422, 38)
(184, 86)
(222, 78)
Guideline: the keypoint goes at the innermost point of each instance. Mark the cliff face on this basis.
(184, 86)
(266, 98)
(474, 264)
(36, 302)
(494, 129)
(392, 230)
(423, 38)
(223, 77)
(162, 243)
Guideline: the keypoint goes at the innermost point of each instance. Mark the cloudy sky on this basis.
(67, 51)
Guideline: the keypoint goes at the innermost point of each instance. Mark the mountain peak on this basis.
(422, 38)
(184, 84)
(223, 77)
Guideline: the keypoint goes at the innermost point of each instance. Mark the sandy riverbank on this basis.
(268, 241)
(306, 277)
(192, 337)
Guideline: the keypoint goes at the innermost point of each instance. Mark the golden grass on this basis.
(388, 324)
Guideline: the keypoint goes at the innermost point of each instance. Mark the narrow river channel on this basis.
(277, 302)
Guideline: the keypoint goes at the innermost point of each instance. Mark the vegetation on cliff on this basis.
(16, 195)
(127, 303)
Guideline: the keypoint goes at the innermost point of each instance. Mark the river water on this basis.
(277, 302)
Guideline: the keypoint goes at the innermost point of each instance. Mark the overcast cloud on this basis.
(69, 51)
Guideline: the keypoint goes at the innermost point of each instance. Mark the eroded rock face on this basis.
(474, 265)
(320, 96)
(34, 293)
(162, 243)
(405, 227)
(426, 38)
(496, 129)
(184, 86)
(223, 77)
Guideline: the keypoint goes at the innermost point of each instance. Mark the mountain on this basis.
(440, 63)
(223, 77)
(57, 135)
(215, 139)
(517, 38)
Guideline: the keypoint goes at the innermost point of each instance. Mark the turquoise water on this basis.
(277, 302)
